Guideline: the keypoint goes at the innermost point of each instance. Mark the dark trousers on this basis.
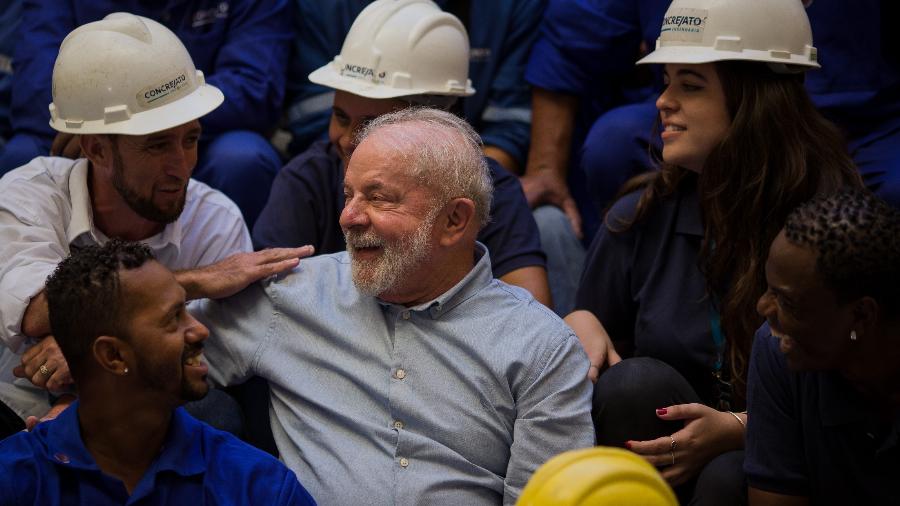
(625, 401)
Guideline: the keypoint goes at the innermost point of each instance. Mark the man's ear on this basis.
(460, 213)
(865, 316)
(113, 354)
(97, 149)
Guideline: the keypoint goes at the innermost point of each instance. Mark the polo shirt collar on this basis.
(82, 221)
(689, 221)
(182, 450)
(476, 279)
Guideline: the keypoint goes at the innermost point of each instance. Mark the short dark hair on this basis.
(856, 237)
(83, 296)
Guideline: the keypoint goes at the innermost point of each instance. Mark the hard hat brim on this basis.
(198, 103)
(702, 54)
(327, 76)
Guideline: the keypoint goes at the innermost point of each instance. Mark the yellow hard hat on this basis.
(600, 476)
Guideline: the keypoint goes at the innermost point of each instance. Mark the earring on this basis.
(853, 335)
(125, 371)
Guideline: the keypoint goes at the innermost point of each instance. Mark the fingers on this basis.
(657, 446)
(30, 422)
(675, 475)
(60, 378)
(613, 358)
(593, 373)
(31, 363)
(571, 209)
(683, 411)
(274, 255)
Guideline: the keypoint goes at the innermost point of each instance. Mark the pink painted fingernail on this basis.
(662, 411)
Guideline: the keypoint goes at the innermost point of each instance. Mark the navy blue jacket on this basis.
(500, 35)
(241, 46)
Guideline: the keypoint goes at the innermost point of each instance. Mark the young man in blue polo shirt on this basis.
(824, 376)
(136, 355)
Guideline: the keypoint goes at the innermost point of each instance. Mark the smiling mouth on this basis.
(674, 128)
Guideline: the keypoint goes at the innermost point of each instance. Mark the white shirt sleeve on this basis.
(33, 240)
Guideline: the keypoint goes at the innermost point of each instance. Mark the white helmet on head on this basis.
(398, 48)
(776, 32)
(126, 74)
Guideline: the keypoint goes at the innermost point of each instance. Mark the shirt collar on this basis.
(476, 279)
(689, 221)
(82, 221)
(182, 450)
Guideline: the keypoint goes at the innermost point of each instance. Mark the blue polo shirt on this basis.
(197, 465)
(307, 199)
(647, 289)
(812, 434)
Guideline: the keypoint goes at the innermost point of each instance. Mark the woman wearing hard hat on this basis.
(678, 267)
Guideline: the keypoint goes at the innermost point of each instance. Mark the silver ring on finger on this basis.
(674, 443)
(673, 457)
(44, 370)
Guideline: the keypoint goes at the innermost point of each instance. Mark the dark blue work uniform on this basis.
(500, 35)
(646, 288)
(197, 465)
(307, 199)
(242, 47)
(858, 86)
(812, 434)
(10, 12)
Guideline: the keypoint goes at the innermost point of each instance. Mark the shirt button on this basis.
(404, 462)
(405, 315)
(400, 374)
(398, 425)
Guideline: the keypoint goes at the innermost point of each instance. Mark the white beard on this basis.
(397, 260)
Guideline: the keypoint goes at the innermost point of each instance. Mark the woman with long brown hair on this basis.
(676, 270)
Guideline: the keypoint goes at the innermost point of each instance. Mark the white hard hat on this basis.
(398, 48)
(126, 74)
(703, 31)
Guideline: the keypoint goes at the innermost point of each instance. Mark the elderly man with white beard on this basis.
(401, 372)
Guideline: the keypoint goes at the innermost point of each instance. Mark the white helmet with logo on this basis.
(126, 74)
(398, 48)
(776, 32)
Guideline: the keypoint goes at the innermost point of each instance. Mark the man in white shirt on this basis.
(128, 88)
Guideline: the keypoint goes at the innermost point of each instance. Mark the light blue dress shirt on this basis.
(456, 401)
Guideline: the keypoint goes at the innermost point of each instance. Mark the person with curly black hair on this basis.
(136, 354)
(824, 375)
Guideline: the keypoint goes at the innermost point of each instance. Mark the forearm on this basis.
(553, 117)
(36, 321)
(759, 497)
(533, 279)
(503, 158)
